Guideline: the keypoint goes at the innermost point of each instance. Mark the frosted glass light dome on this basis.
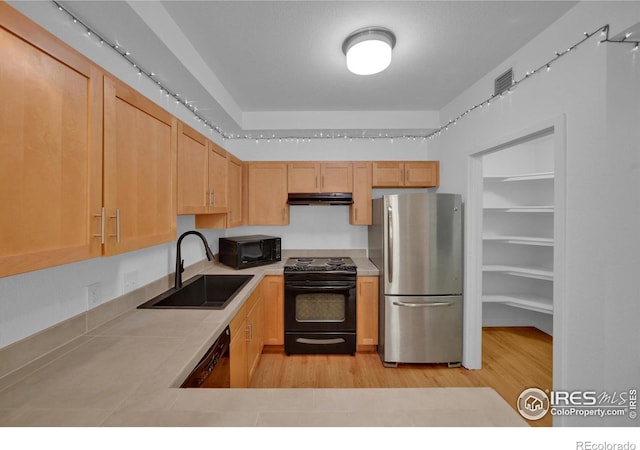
(369, 50)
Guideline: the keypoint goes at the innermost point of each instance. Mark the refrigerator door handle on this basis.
(420, 305)
(390, 243)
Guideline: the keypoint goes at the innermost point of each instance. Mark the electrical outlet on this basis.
(94, 293)
(130, 282)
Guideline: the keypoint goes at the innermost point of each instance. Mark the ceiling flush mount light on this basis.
(368, 50)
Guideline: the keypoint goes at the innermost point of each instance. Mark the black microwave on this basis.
(249, 251)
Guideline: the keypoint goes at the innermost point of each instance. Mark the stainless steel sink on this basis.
(201, 292)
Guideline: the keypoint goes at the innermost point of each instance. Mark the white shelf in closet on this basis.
(522, 177)
(520, 240)
(518, 208)
(530, 302)
(537, 272)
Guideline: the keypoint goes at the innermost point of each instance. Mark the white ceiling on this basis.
(278, 65)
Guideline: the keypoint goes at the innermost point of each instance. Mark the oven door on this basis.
(320, 306)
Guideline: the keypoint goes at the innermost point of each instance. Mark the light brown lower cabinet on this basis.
(246, 340)
(367, 312)
(273, 299)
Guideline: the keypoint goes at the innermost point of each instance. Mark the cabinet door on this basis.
(217, 192)
(255, 321)
(273, 299)
(238, 358)
(336, 177)
(140, 141)
(268, 193)
(303, 177)
(193, 174)
(234, 186)
(421, 173)
(361, 207)
(388, 174)
(367, 311)
(50, 149)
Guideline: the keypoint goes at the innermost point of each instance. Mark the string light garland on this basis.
(90, 32)
(546, 67)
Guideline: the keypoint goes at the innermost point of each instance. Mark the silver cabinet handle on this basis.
(117, 217)
(420, 305)
(316, 181)
(322, 181)
(102, 225)
(390, 242)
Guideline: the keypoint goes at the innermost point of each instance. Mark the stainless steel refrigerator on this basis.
(416, 243)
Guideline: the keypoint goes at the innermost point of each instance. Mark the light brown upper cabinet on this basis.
(406, 174)
(202, 174)
(235, 215)
(234, 211)
(309, 176)
(50, 149)
(217, 193)
(193, 171)
(267, 193)
(140, 141)
(360, 213)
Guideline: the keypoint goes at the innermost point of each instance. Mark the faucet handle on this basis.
(181, 265)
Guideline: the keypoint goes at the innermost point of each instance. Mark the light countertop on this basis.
(125, 373)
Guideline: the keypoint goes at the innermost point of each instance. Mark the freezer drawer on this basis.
(421, 329)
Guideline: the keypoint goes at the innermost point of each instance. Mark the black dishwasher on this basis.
(213, 370)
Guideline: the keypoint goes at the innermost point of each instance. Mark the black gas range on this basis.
(320, 305)
(333, 265)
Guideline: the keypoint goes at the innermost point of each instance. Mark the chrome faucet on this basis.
(180, 261)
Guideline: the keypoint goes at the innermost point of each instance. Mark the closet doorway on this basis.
(515, 238)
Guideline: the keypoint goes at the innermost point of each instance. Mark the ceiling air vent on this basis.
(503, 82)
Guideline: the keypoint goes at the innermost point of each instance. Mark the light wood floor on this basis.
(513, 359)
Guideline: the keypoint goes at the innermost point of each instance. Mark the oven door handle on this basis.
(329, 341)
(319, 288)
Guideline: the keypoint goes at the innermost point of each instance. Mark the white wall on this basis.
(601, 180)
(620, 264)
(330, 150)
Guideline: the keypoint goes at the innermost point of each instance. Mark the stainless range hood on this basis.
(332, 198)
